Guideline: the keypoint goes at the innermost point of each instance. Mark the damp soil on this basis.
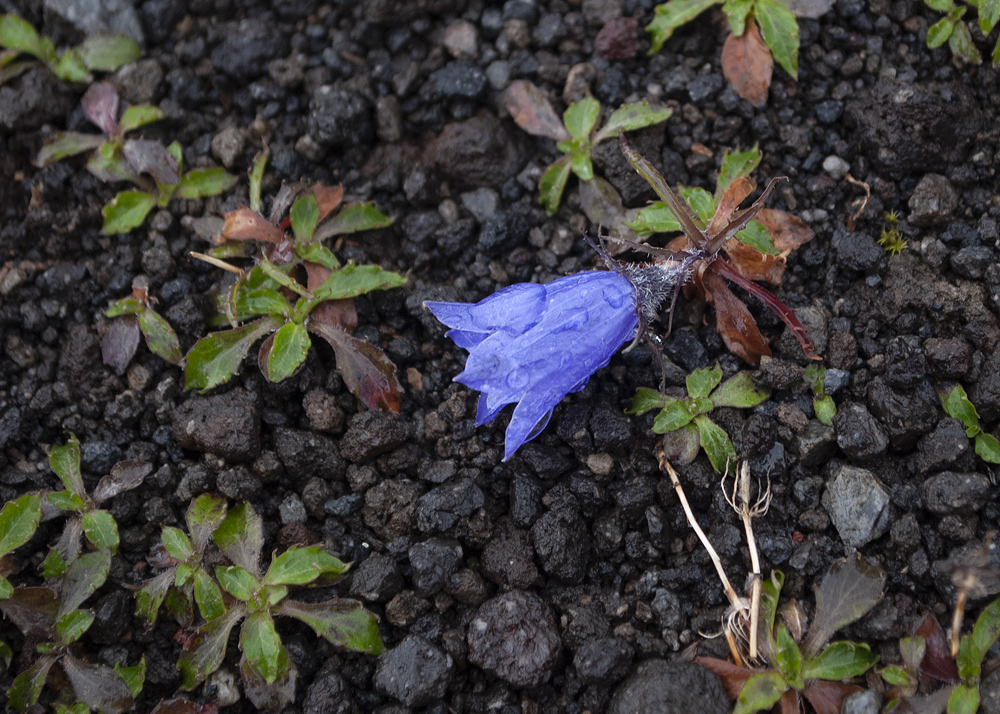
(576, 552)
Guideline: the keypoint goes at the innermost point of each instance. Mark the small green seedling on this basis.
(956, 403)
(810, 667)
(154, 168)
(103, 52)
(891, 239)
(686, 419)
(576, 133)
(184, 579)
(88, 519)
(268, 674)
(119, 343)
(826, 410)
(53, 620)
(952, 29)
(972, 651)
(18, 522)
(296, 287)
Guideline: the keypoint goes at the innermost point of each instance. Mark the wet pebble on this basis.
(951, 492)
(858, 434)
(328, 693)
(933, 201)
(112, 618)
(561, 542)
(504, 230)
(227, 425)
(604, 661)
(986, 392)
(905, 418)
(377, 579)
(943, 447)
(949, 357)
(98, 457)
(415, 672)
(391, 507)
(292, 510)
(247, 47)
(508, 559)
(816, 444)
(432, 562)
(659, 687)
(340, 117)
(306, 454)
(372, 434)
(239, 484)
(972, 262)
(481, 203)
(858, 251)
(514, 637)
(858, 504)
(481, 151)
(441, 507)
(456, 80)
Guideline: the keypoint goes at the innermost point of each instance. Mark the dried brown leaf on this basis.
(328, 198)
(264, 353)
(828, 697)
(734, 322)
(733, 677)
(367, 372)
(245, 224)
(729, 201)
(755, 265)
(787, 231)
(533, 112)
(748, 65)
(789, 702)
(937, 662)
(119, 343)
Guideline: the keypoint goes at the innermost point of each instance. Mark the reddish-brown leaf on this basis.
(733, 677)
(789, 702)
(328, 199)
(787, 231)
(264, 353)
(146, 156)
(533, 112)
(120, 342)
(100, 105)
(618, 39)
(755, 265)
(937, 662)
(337, 313)
(729, 201)
(748, 65)
(316, 275)
(827, 697)
(367, 372)
(734, 322)
(245, 224)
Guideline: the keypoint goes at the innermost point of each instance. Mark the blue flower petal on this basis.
(514, 309)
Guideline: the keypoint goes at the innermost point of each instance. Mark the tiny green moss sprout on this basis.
(891, 239)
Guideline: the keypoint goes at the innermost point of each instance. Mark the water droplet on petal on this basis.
(517, 379)
(613, 297)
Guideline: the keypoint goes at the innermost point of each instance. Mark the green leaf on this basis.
(700, 200)
(150, 595)
(25, 690)
(71, 626)
(850, 589)
(19, 521)
(288, 351)
(282, 276)
(964, 700)
(203, 516)
(789, 659)
(160, 336)
(215, 358)
(896, 676)
(67, 143)
(341, 622)
(317, 253)
(257, 294)
(769, 593)
(69, 67)
(961, 44)
(780, 32)
(986, 630)
(655, 218)
(940, 5)
(125, 306)
(199, 183)
(969, 659)
(139, 115)
(83, 576)
(183, 572)
(106, 52)
(701, 382)
(736, 163)
(241, 537)
(262, 647)
(6, 589)
(552, 184)
(674, 416)
(989, 15)
(18, 34)
(100, 529)
(65, 461)
(108, 165)
(304, 217)
(134, 676)
(757, 236)
(939, 32)
(739, 391)
(66, 501)
(208, 596)
(54, 565)
(206, 653)
(825, 409)
(298, 566)
(354, 280)
(257, 178)
(237, 582)
(956, 404)
(176, 543)
(126, 211)
(581, 165)
(716, 444)
(671, 15)
(354, 217)
(912, 650)
(988, 448)
(737, 12)
(580, 118)
(761, 691)
(646, 400)
(630, 117)
(841, 660)
(996, 53)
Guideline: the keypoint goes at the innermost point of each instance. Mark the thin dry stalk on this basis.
(956, 621)
(216, 262)
(864, 201)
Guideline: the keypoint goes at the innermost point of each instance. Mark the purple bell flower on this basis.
(532, 344)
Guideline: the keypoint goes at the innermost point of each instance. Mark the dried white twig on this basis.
(216, 262)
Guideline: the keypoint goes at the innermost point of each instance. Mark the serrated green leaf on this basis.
(160, 336)
(134, 676)
(961, 44)
(963, 700)
(646, 400)
(988, 448)
(986, 630)
(65, 501)
(700, 200)
(65, 461)
(940, 5)
(298, 566)
(150, 595)
(957, 405)
(769, 594)
(101, 530)
(199, 183)
(83, 576)
(139, 115)
(304, 216)
(106, 52)
(671, 15)
(69, 67)
(54, 565)
(176, 543)
(183, 572)
(552, 183)
(288, 351)
(630, 117)
(65, 144)
(580, 118)
(206, 653)
(241, 537)
(757, 236)
(353, 218)
(208, 596)
(739, 391)
(109, 166)
(354, 280)
(736, 164)
(203, 516)
(716, 444)
(19, 521)
(27, 687)
(215, 358)
(701, 382)
(897, 676)
(125, 306)
(654, 218)
(939, 32)
(969, 659)
(736, 12)
(789, 659)
(282, 276)
(262, 647)
(762, 691)
(673, 416)
(317, 253)
(989, 15)
(71, 626)
(840, 660)
(127, 211)
(341, 622)
(825, 409)
(237, 582)
(780, 33)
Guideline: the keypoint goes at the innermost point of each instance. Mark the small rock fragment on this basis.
(858, 505)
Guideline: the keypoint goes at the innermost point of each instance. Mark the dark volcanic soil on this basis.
(579, 540)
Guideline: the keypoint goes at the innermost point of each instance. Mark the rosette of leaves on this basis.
(823, 405)
(576, 133)
(18, 522)
(952, 29)
(136, 316)
(721, 241)
(255, 599)
(153, 167)
(809, 666)
(296, 287)
(184, 579)
(103, 52)
(956, 403)
(87, 518)
(685, 420)
(761, 32)
(53, 621)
